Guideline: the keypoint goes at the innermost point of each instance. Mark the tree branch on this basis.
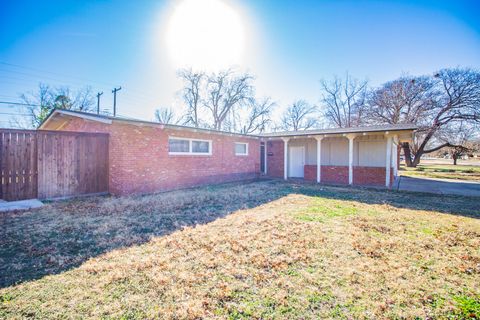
(447, 144)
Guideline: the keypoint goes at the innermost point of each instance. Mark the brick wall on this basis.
(140, 163)
(275, 157)
(374, 176)
(329, 174)
(334, 174)
(310, 172)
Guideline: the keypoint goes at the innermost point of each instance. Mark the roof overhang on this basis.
(57, 118)
(404, 130)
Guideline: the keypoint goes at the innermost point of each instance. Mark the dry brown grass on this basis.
(300, 251)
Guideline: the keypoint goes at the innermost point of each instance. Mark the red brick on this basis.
(275, 157)
(140, 163)
(374, 176)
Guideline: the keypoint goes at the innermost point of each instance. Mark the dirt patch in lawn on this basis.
(289, 251)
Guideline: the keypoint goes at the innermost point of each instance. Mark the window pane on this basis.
(176, 145)
(200, 146)
(240, 148)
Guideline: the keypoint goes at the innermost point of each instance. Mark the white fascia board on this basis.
(83, 116)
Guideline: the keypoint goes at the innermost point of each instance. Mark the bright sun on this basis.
(205, 34)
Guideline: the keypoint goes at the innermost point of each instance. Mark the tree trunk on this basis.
(416, 159)
(407, 154)
(454, 157)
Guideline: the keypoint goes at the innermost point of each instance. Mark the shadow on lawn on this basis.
(63, 235)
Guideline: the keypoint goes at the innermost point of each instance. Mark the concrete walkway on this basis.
(440, 186)
(20, 205)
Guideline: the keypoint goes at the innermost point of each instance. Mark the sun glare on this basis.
(205, 34)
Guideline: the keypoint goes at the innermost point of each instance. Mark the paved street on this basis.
(440, 186)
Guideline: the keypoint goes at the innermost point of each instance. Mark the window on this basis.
(200, 146)
(189, 146)
(241, 149)
(177, 145)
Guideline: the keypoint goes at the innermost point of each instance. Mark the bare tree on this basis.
(192, 94)
(226, 91)
(38, 105)
(457, 139)
(167, 116)
(84, 99)
(223, 101)
(299, 116)
(344, 101)
(258, 117)
(474, 146)
(434, 103)
(405, 100)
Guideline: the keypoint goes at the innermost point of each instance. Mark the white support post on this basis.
(388, 163)
(350, 137)
(285, 158)
(395, 156)
(319, 157)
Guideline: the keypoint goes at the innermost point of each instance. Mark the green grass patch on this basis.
(468, 307)
(320, 210)
(427, 231)
(6, 297)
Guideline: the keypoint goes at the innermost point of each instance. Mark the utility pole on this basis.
(114, 91)
(98, 101)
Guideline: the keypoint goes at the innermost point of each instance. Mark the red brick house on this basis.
(146, 157)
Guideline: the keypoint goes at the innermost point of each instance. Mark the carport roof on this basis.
(378, 128)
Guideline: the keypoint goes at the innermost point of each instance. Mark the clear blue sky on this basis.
(289, 46)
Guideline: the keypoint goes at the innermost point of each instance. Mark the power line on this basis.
(142, 94)
(6, 96)
(53, 73)
(20, 104)
(128, 95)
(35, 79)
(16, 114)
(31, 75)
(11, 106)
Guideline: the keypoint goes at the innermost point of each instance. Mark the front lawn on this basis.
(443, 171)
(259, 250)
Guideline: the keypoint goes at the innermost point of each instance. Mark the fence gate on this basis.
(51, 164)
(18, 164)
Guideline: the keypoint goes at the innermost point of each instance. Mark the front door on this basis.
(296, 162)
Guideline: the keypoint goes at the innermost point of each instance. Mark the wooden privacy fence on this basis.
(51, 164)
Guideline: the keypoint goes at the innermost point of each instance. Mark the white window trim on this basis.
(190, 153)
(246, 149)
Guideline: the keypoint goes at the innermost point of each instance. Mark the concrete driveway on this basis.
(440, 186)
